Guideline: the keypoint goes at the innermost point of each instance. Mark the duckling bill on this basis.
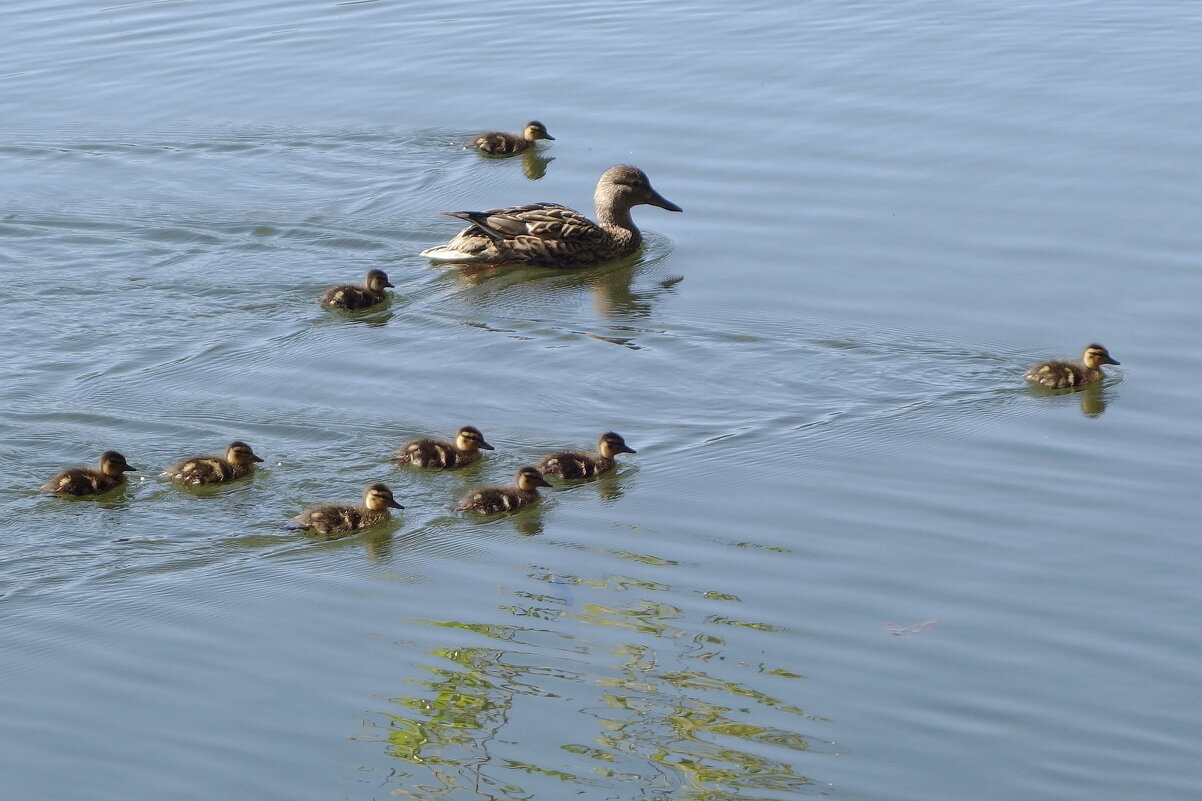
(238, 462)
(444, 455)
(580, 464)
(499, 143)
(336, 518)
(79, 481)
(357, 298)
(492, 499)
(1065, 374)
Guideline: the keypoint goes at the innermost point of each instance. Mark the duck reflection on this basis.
(612, 287)
(1092, 397)
(534, 164)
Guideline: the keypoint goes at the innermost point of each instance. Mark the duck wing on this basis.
(542, 220)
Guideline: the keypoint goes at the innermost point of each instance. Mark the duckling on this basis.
(356, 298)
(499, 143)
(442, 454)
(239, 462)
(335, 518)
(86, 481)
(1061, 375)
(551, 235)
(579, 464)
(506, 499)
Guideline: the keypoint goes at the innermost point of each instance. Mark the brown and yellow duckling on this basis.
(444, 455)
(580, 464)
(499, 143)
(239, 462)
(506, 499)
(89, 481)
(336, 518)
(355, 298)
(551, 235)
(1064, 374)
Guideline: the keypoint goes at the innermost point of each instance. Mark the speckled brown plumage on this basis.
(581, 464)
(337, 518)
(444, 455)
(551, 235)
(499, 143)
(492, 499)
(1066, 374)
(238, 462)
(89, 481)
(355, 298)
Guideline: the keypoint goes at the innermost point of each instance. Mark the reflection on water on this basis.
(534, 164)
(637, 700)
(1092, 396)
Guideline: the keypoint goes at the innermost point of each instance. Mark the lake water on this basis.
(854, 557)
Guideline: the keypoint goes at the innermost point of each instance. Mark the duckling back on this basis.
(356, 298)
(492, 499)
(436, 453)
(80, 481)
(1065, 374)
(335, 518)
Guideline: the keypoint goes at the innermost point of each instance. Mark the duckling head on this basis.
(114, 464)
(469, 438)
(1096, 355)
(536, 130)
(377, 280)
(379, 496)
(611, 443)
(529, 478)
(240, 453)
(629, 185)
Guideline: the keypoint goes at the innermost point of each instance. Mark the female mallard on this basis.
(1061, 375)
(335, 518)
(579, 464)
(499, 143)
(443, 454)
(239, 461)
(506, 499)
(86, 481)
(551, 235)
(354, 297)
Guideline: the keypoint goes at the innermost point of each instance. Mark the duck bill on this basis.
(657, 199)
(1109, 360)
(129, 469)
(256, 458)
(392, 502)
(627, 449)
(484, 446)
(549, 136)
(542, 482)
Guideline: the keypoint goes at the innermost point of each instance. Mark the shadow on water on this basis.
(655, 711)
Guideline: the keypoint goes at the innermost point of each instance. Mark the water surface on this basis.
(854, 557)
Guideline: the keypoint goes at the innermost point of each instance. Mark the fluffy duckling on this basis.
(506, 499)
(239, 462)
(499, 143)
(551, 235)
(579, 464)
(335, 518)
(442, 454)
(1061, 375)
(354, 297)
(86, 481)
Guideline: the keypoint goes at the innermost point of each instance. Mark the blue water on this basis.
(854, 557)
